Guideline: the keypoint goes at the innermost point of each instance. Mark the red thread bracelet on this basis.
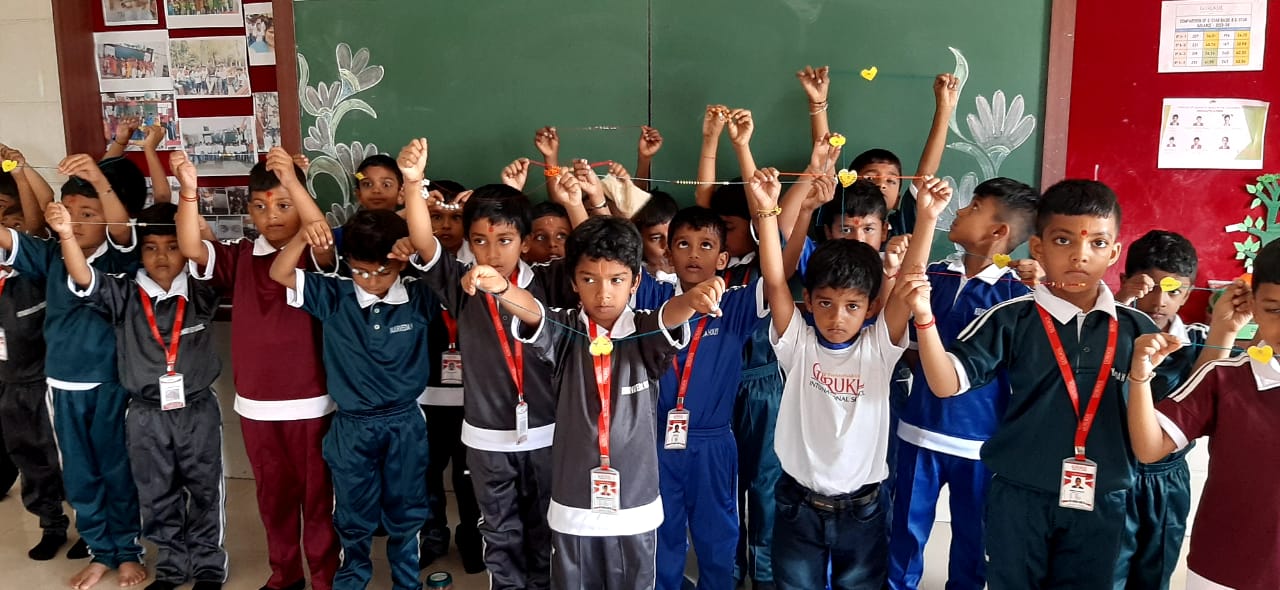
(926, 326)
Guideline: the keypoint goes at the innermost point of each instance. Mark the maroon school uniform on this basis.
(1235, 541)
(284, 410)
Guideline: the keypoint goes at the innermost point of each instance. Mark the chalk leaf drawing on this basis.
(329, 103)
(1263, 228)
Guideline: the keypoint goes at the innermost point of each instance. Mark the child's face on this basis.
(737, 239)
(838, 314)
(497, 245)
(975, 225)
(375, 278)
(869, 230)
(274, 215)
(885, 175)
(1162, 306)
(87, 217)
(1076, 250)
(696, 254)
(447, 224)
(7, 201)
(655, 243)
(604, 287)
(1266, 311)
(547, 241)
(379, 189)
(161, 258)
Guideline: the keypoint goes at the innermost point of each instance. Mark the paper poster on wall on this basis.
(130, 12)
(260, 33)
(220, 146)
(266, 110)
(136, 60)
(1212, 133)
(151, 108)
(1205, 36)
(209, 67)
(201, 14)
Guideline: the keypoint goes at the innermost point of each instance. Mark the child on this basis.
(1156, 515)
(1233, 541)
(88, 402)
(375, 347)
(940, 440)
(833, 419)
(697, 455)
(283, 406)
(28, 440)
(445, 205)
(1039, 533)
(509, 409)
(168, 363)
(605, 505)
(550, 230)
(379, 183)
(652, 220)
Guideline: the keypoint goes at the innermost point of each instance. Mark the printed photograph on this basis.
(228, 228)
(213, 200)
(209, 67)
(130, 12)
(238, 200)
(260, 34)
(220, 146)
(137, 60)
(151, 108)
(266, 111)
(200, 14)
(174, 187)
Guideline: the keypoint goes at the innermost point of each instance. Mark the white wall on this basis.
(30, 103)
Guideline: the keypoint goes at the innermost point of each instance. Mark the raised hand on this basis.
(413, 161)
(516, 173)
(184, 170)
(740, 126)
(483, 278)
(933, 197)
(1135, 287)
(650, 142)
(281, 163)
(714, 120)
(764, 188)
(59, 220)
(946, 91)
(548, 143)
(816, 83)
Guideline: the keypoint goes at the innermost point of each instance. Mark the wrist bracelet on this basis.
(603, 205)
(1150, 376)
(505, 288)
(763, 213)
(926, 325)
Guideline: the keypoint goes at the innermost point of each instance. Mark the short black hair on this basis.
(1015, 205)
(128, 182)
(605, 238)
(1266, 265)
(698, 218)
(8, 186)
(1161, 250)
(449, 189)
(548, 209)
(845, 264)
(158, 220)
(863, 198)
(731, 200)
(499, 204)
(659, 209)
(369, 235)
(382, 161)
(876, 156)
(1077, 197)
(261, 179)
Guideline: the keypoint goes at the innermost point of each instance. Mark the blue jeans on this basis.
(853, 540)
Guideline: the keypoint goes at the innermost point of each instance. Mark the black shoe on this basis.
(380, 531)
(80, 550)
(161, 585)
(207, 585)
(299, 585)
(435, 544)
(471, 549)
(48, 546)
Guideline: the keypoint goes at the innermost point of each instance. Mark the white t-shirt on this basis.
(833, 423)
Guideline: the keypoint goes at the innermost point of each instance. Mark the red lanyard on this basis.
(604, 383)
(2, 282)
(688, 363)
(515, 361)
(1083, 425)
(451, 325)
(171, 350)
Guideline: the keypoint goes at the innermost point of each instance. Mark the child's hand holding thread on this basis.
(548, 143)
(1233, 309)
(913, 288)
(822, 192)
(155, 136)
(650, 142)
(516, 173)
(318, 235)
(946, 92)
(413, 161)
(566, 191)
(125, 128)
(1149, 350)
(823, 158)
(933, 198)
(484, 278)
(764, 188)
(281, 163)
(816, 83)
(620, 172)
(12, 155)
(1135, 287)
(84, 167)
(705, 296)
(741, 126)
(713, 121)
(185, 172)
(59, 220)
(894, 252)
(588, 180)
(402, 250)
(1028, 270)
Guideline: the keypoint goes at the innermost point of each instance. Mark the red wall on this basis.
(261, 79)
(1116, 98)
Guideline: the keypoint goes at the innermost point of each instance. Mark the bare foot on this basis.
(131, 574)
(89, 576)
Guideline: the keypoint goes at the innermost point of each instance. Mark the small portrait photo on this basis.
(266, 112)
(199, 14)
(1172, 143)
(260, 34)
(1173, 120)
(1195, 144)
(137, 60)
(1199, 122)
(238, 200)
(153, 109)
(220, 146)
(1226, 120)
(213, 201)
(209, 67)
(1226, 142)
(130, 12)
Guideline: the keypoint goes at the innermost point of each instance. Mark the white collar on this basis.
(1064, 311)
(8, 272)
(178, 288)
(990, 274)
(261, 247)
(1178, 330)
(740, 260)
(524, 274)
(624, 326)
(1266, 376)
(465, 255)
(97, 253)
(395, 295)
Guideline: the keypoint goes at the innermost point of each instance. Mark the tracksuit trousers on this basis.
(698, 486)
(29, 445)
(513, 491)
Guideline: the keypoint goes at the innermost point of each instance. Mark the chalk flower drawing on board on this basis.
(996, 129)
(329, 103)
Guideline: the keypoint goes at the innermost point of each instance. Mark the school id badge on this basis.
(4, 346)
(172, 394)
(451, 367)
(677, 430)
(606, 490)
(1079, 479)
(522, 423)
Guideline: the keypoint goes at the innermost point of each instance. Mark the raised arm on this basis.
(821, 191)
(1230, 314)
(931, 201)
(413, 165)
(946, 92)
(712, 126)
(519, 302)
(316, 234)
(650, 143)
(741, 126)
(77, 267)
(124, 132)
(1150, 442)
(516, 173)
(816, 83)
(190, 242)
(762, 192)
(34, 192)
(822, 161)
(548, 143)
(566, 190)
(592, 190)
(159, 183)
(83, 166)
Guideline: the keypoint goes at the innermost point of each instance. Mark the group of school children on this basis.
(610, 377)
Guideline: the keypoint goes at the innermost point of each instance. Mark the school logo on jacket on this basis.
(842, 388)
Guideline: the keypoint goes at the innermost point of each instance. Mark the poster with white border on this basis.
(209, 67)
(116, 13)
(220, 146)
(260, 34)
(1212, 36)
(1212, 133)
(203, 14)
(136, 60)
(152, 109)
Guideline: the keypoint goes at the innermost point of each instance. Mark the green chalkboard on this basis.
(478, 78)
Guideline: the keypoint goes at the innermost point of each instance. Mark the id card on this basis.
(677, 430)
(4, 346)
(522, 423)
(172, 394)
(1079, 479)
(451, 367)
(606, 491)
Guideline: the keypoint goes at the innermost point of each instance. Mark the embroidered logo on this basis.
(842, 388)
(401, 328)
(711, 332)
